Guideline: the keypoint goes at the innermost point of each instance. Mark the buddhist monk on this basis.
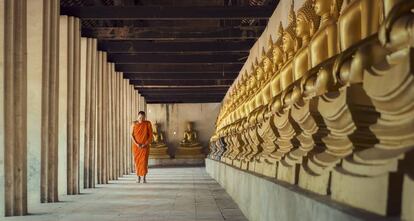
(141, 134)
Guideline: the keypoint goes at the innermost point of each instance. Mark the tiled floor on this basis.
(171, 194)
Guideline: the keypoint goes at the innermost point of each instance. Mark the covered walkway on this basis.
(181, 194)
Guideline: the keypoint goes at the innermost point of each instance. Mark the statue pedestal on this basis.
(192, 152)
(159, 153)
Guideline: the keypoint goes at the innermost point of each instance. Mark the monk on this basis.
(141, 134)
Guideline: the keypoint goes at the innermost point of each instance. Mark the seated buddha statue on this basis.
(190, 137)
(158, 137)
(189, 145)
(158, 150)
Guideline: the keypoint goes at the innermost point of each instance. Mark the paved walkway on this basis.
(171, 194)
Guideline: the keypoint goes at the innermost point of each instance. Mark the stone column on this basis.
(73, 105)
(2, 112)
(99, 119)
(105, 118)
(63, 105)
(120, 123)
(50, 99)
(109, 121)
(88, 114)
(92, 128)
(14, 89)
(34, 97)
(131, 89)
(127, 124)
(82, 110)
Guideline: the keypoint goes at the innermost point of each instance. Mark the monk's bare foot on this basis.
(138, 179)
(145, 179)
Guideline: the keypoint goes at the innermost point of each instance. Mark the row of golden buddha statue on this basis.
(330, 104)
(189, 148)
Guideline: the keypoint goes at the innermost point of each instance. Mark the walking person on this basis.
(141, 134)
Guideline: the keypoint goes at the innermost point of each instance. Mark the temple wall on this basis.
(262, 199)
(172, 119)
(324, 105)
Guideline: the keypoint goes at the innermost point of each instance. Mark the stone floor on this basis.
(173, 194)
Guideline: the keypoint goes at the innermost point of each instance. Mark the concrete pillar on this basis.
(82, 110)
(63, 105)
(50, 105)
(99, 119)
(73, 105)
(92, 156)
(119, 123)
(2, 113)
(14, 91)
(112, 122)
(105, 118)
(122, 124)
(90, 68)
(126, 127)
(34, 97)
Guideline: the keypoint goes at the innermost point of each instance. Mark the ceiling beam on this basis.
(176, 58)
(137, 46)
(178, 68)
(167, 12)
(180, 83)
(172, 33)
(174, 47)
(180, 76)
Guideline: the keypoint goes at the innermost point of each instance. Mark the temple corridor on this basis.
(259, 110)
(173, 194)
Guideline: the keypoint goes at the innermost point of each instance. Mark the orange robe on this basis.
(142, 133)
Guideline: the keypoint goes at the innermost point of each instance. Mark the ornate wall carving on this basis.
(329, 105)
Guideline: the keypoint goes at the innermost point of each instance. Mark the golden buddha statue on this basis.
(277, 51)
(289, 44)
(158, 137)
(190, 136)
(158, 150)
(361, 15)
(307, 22)
(261, 78)
(189, 145)
(324, 43)
(267, 62)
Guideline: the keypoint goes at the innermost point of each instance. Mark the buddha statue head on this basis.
(289, 39)
(189, 126)
(155, 127)
(267, 62)
(327, 9)
(307, 22)
(277, 50)
(252, 79)
(260, 74)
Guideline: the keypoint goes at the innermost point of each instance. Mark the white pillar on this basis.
(2, 95)
(63, 104)
(34, 97)
(82, 109)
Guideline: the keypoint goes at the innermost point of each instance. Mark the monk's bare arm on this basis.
(132, 135)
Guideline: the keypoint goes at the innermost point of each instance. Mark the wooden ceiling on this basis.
(174, 51)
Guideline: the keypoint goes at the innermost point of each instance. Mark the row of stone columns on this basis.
(65, 112)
